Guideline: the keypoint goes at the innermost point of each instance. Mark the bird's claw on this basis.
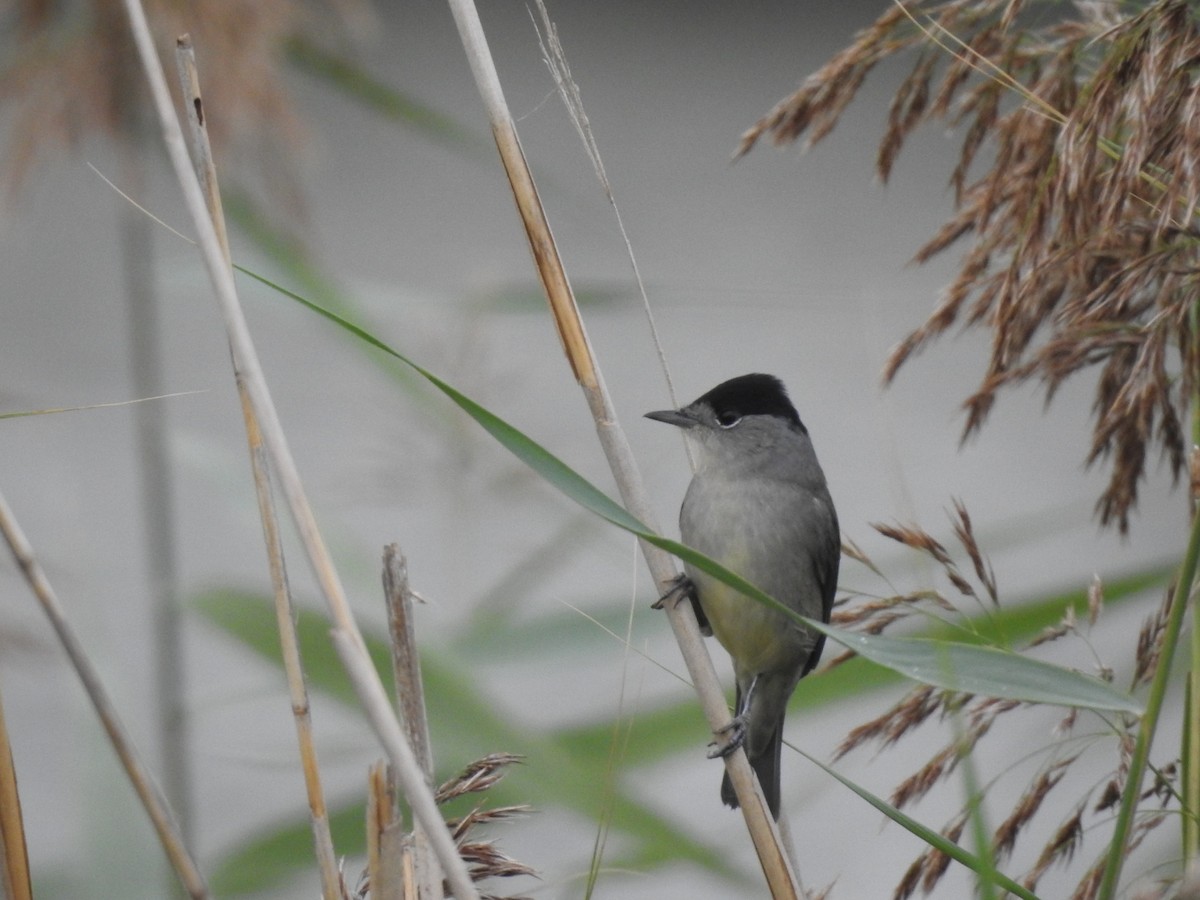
(729, 738)
(681, 589)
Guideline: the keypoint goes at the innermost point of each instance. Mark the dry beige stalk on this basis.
(16, 882)
(206, 175)
(140, 777)
(389, 850)
(777, 865)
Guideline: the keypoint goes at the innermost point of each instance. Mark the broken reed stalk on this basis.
(206, 172)
(410, 699)
(346, 635)
(15, 882)
(378, 709)
(763, 832)
(388, 852)
(148, 791)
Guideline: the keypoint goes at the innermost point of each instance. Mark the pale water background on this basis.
(782, 263)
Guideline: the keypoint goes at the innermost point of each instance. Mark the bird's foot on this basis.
(728, 738)
(681, 589)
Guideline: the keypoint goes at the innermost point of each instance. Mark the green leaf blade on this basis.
(953, 665)
(983, 670)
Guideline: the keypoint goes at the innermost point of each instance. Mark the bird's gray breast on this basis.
(775, 533)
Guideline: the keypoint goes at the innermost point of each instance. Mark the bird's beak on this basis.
(675, 417)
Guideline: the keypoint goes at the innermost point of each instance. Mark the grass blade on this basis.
(956, 666)
(927, 834)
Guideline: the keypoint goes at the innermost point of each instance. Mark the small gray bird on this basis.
(758, 504)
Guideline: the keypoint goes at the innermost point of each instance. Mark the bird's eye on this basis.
(728, 419)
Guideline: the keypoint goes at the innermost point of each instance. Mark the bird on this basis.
(758, 503)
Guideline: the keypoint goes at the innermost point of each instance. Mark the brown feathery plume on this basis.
(936, 862)
(919, 539)
(1067, 723)
(1080, 215)
(966, 536)
(1053, 632)
(866, 616)
(977, 715)
(1005, 838)
(477, 777)
(851, 550)
(1089, 887)
(981, 714)
(928, 868)
(1109, 797)
(483, 858)
(943, 763)
(1149, 642)
(1069, 836)
(71, 70)
(1060, 848)
(914, 708)
(875, 615)
(1164, 784)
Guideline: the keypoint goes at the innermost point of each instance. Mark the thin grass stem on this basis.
(1190, 753)
(1149, 723)
(980, 832)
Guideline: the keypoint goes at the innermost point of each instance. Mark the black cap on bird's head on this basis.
(730, 401)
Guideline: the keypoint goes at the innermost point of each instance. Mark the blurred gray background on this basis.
(785, 262)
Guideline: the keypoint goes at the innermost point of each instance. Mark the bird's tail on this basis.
(766, 767)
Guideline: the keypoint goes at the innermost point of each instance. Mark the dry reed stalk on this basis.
(206, 173)
(390, 870)
(139, 775)
(410, 698)
(378, 709)
(347, 638)
(15, 881)
(763, 831)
